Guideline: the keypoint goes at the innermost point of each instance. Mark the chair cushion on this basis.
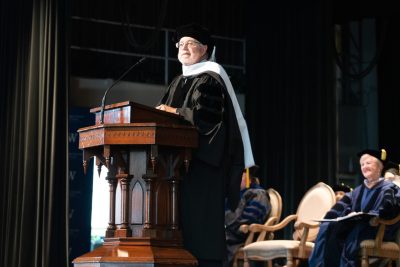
(272, 249)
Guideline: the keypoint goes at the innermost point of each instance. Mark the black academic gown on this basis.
(217, 164)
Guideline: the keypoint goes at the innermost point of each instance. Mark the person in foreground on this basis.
(204, 96)
(338, 243)
(254, 207)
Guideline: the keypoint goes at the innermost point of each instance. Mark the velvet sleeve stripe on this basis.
(208, 108)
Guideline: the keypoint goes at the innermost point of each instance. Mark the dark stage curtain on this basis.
(389, 94)
(33, 135)
(290, 104)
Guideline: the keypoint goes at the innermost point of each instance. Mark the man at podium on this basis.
(204, 96)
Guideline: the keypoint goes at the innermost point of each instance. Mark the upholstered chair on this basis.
(313, 207)
(256, 236)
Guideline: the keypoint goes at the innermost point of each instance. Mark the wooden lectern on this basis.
(144, 150)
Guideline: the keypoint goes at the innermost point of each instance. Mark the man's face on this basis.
(191, 51)
(371, 167)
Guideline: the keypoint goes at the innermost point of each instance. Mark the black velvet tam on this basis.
(379, 154)
(195, 31)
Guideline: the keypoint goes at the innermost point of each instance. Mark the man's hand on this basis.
(167, 108)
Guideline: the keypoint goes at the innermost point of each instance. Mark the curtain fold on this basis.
(34, 108)
(290, 100)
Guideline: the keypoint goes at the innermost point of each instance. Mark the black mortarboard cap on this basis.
(379, 154)
(341, 187)
(197, 32)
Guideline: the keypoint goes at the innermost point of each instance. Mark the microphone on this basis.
(103, 101)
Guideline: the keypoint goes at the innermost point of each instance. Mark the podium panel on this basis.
(145, 151)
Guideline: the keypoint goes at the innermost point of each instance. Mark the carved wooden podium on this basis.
(144, 150)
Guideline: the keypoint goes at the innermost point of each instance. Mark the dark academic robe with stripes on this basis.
(338, 243)
(253, 207)
(217, 164)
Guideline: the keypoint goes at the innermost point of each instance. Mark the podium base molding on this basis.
(124, 255)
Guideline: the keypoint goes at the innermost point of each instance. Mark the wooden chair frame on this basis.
(377, 248)
(305, 227)
(275, 215)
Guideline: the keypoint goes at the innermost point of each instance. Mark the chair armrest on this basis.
(271, 220)
(272, 228)
(381, 223)
(309, 225)
(245, 228)
(303, 240)
(375, 221)
(305, 227)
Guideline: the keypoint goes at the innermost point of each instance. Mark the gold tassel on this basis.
(383, 154)
(247, 177)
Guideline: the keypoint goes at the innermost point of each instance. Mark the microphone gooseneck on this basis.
(103, 101)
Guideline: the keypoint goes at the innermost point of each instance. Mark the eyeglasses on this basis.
(189, 43)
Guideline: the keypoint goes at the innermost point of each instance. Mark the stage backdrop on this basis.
(80, 190)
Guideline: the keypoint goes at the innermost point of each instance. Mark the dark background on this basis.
(293, 108)
(318, 79)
